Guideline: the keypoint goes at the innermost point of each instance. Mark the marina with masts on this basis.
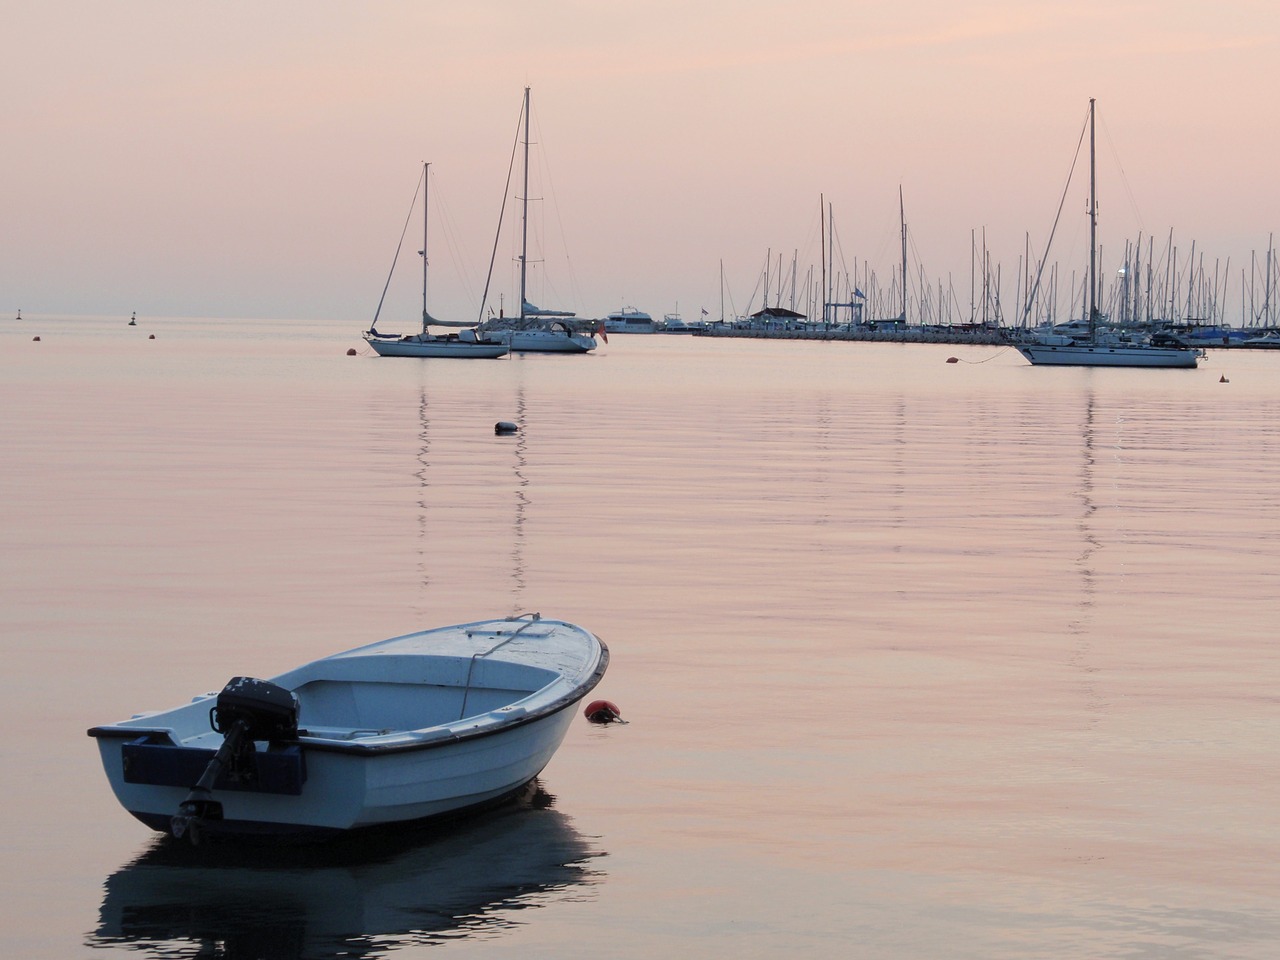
(1155, 289)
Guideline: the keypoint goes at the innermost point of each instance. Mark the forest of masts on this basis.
(1149, 286)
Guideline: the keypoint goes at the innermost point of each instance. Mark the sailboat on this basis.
(536, 330)
(464, 343)
(1096, 348)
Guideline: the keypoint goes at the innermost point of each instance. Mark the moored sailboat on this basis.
(1097, 348)
(465, 343)
(536, 330)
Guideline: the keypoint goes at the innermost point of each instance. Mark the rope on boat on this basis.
(412, 204)
(493, 257)
(533, 618)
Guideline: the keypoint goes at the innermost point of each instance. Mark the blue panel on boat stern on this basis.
(153, 760)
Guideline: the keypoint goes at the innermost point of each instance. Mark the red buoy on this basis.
(602, 711)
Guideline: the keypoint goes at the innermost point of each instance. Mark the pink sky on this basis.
(257, 160)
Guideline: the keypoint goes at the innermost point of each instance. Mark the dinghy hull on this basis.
(427, 725)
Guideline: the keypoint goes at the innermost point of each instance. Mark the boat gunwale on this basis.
(400, 744)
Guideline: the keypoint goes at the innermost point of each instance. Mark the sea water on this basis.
(918, 658)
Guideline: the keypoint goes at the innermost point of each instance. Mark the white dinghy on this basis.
(419, 726)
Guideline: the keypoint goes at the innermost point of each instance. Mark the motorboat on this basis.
(1267, 341)
(630, 320)
(416, 727)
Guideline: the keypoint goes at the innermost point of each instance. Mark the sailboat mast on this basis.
(902, 218)
(426, 187)
(722, 291)
(524, 211)
(1266, 300)
(822, 239)
(972, 254)
(1093, 226)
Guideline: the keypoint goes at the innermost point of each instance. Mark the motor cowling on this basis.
(268, 710)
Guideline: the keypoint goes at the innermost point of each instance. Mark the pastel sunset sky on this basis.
(258, 159)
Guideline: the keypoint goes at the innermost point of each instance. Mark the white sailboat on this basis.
(1096, 348)
(536, 330)
(464, 343)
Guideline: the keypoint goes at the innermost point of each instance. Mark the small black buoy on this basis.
(505, 427)
(152, 337)
(351, 351)
(953, 359)
(602, 711)
(1223, 379)
(35, 339)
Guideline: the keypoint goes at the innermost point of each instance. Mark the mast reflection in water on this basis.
(521, 500)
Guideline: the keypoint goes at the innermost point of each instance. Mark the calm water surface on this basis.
(920, 659)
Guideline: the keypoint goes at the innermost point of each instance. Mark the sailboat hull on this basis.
(1083, 355)
(415, 347)
(545, 341)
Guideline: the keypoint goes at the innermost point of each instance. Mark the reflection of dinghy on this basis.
(365, 896)
(418, 726)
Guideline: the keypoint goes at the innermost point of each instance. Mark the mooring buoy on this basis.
(602, 711)
(505, 426)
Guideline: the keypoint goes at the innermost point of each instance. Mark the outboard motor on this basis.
(247, 710)
(269, 711)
